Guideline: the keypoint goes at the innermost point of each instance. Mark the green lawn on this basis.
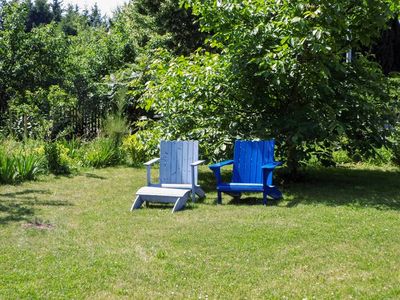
(335, 236)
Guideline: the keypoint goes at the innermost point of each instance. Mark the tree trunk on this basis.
(292, 161)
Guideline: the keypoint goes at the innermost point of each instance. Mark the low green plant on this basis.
(55, 162)
(102, 153)
(341, 157)
(8, 172)
(141, 146)
(18, 167)
(383, 156)
(28, 166)
(396, 147)
(135, 149)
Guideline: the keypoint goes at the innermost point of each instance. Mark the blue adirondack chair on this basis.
(178, 166)
(253, 167)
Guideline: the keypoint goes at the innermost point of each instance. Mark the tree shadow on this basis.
(21, 206)
(348, 187)
(361, 188)
(208, 182)
(251, 201)
(94, 176)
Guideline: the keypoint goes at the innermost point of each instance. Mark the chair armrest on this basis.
(152, 162)
(268, 171)
(216, 168)
(194, 177)
(221, 164)
(149, 164)
(196, 163)
(272, 165)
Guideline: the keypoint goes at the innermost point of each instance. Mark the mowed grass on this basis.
(337, 235)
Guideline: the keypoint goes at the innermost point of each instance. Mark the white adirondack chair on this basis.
(178, 171)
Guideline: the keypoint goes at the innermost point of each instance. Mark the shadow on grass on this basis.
(166, 206)
(348, 187)
(209, 185)
(94, 176)
(20, 206)
(329, 186)
(251, 201)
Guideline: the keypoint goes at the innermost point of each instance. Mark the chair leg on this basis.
(137, 203)
(200, 192)
(275, 193)
(219, 199)
(193, 196)
(265, 198)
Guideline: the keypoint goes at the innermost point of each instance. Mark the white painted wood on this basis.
(161, 195)
(199, 191)
(180, 203)
(184, 160)
(148, 165)
(195, 158)
(157, 191)
(152, 162)
(137, 203)
(173, 156)
(176, 157)
(149, 175)
(178, 169)
(197, 163)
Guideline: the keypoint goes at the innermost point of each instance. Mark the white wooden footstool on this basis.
(161, 195)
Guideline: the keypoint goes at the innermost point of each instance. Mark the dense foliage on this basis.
(279, 71)
(214, 71)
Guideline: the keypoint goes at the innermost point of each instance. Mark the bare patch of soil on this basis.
(39, 226)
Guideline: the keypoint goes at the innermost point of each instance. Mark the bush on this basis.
(382, 156)
(101, 153)
(396, 147)
(141, 146)
(134, 149)
(341, 157)
(55, 161)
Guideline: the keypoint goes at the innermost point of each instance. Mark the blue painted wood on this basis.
(249, 156)
(253, 167)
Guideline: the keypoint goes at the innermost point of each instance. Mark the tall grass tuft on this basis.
(19, 167)
(102, 153)
(28, 166)
(8, 172)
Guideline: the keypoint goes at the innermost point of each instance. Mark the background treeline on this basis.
(56, 61)
(206, 70)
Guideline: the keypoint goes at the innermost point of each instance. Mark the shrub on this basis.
(396, 147)
(141, 146)
(55, 155)
(341, 157)
(134, 149)
(72, 153)
(382, 156)
(101, 153)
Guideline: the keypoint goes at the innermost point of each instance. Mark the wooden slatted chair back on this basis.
(175, 160)
(249, 157)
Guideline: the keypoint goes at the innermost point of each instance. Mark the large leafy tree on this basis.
(161, 23)
(286, 76)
